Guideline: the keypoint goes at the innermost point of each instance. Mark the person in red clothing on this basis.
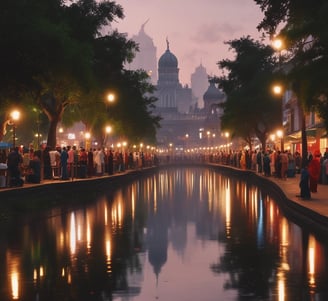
(314, 171)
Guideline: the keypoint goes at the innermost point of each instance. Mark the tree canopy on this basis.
(302, 25)
(251, 109)
(55, 56)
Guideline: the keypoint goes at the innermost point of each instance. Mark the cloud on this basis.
(214, 33)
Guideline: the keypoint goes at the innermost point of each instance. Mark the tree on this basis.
(43, 62)
(250, 109)
(57, 57)
(135, 110)
(303, 28)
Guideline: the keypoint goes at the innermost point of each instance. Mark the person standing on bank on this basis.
(14, 162)
(314, 171)
(63, 163)
(34, 172)
(304, 184)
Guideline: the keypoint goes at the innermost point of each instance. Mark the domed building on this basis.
(175, 102)
(183, 118)
(172, 97)
(213, 99)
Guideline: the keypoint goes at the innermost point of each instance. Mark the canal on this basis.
(185, 234)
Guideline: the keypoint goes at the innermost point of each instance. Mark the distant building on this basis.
(172, 97)
(175, 103)
(199, 84)
(146, 58)
(185, 113)
(213, 99)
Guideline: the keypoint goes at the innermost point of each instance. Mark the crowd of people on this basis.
(275, 163)
(64, 163)
(281, 164)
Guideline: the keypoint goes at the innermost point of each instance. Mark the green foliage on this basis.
(55, 56)
(304, 31)
(250, 109)
(134, 109)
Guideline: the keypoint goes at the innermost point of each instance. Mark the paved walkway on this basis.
(318, 201)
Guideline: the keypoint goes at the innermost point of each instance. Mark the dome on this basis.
(168, 59)
(213, 93)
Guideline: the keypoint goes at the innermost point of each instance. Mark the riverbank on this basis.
(313, 213)
(77, 190)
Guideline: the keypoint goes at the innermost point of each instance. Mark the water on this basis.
(185, 234)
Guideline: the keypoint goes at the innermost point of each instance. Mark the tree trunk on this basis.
(52, 133)
(304, 140)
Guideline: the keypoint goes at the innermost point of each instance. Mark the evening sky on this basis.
(196, 29)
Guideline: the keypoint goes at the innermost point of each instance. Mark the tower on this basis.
(146, 58)
(199, 84)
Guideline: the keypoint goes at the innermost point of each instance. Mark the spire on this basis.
(142, 29)
(167, 44)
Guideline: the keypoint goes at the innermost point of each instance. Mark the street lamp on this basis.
(277, 44)
(110, 97)
(278, 90)
(14, 117)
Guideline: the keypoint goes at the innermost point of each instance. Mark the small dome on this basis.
(213, 93)
(168, 59)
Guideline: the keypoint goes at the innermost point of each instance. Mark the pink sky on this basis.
(196, 29)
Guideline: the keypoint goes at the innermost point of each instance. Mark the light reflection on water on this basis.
(186, 234)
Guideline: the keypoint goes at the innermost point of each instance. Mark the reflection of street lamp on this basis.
(14, 117)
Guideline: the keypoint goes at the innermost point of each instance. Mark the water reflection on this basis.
(187, 234)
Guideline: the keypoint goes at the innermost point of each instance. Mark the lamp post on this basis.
(186, 140)
(278, 45)
(280, 135)
(278, 90)
(227, 135)
(14, 117)
(108, 130)
(87, 139)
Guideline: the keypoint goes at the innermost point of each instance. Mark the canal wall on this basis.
(297, 213)
(71, 192)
